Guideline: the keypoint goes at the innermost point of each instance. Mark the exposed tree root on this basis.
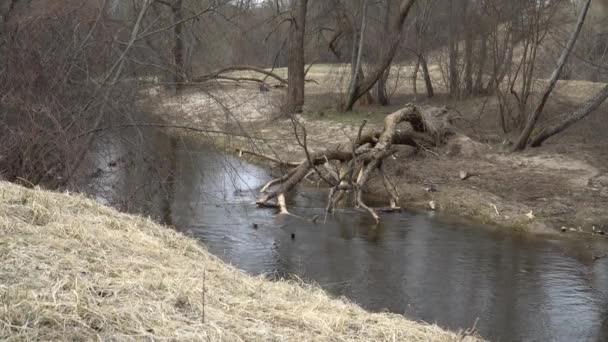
(355, 165)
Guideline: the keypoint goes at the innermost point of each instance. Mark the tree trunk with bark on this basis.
(394, 39)
(568, 120)
(427, 77)
(346, 28)
(295, 69)
(178, 47)
(415, 77)
(522, 141)
(357, 51)
(483, 56)
(381, 93)
(468, 57)
(454, 79)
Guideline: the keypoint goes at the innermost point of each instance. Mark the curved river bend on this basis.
(514, 287)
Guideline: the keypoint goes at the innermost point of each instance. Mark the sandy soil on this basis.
(564, 184)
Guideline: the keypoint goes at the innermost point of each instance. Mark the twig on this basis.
(116, 71)
(270, 158)
(168, 27)
(303, 143)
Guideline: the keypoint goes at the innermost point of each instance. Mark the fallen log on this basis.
(429, 127)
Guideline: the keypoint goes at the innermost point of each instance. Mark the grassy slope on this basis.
(72, 269)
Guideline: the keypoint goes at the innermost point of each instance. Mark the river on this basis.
(510, 286)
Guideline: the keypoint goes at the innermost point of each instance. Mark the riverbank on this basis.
(73, 269)
(560, 187)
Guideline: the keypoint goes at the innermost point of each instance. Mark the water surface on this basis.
(512, 287)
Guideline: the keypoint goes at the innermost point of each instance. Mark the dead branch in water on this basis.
(355, 165)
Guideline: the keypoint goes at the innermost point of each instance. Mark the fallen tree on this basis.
(347, 169)
(570, 119)
(219, 74)
(228, 74)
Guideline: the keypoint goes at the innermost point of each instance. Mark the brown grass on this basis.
(72, 269)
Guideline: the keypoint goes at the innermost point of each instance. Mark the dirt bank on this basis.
(72, 269)
(562, 186)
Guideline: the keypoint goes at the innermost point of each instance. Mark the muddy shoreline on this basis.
(539, 191)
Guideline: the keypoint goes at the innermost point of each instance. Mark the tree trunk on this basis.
(483, 57)
(468, 57)
(527, 131)
(427, 77)
(567, 121)
(358, 49)
(295, 69)
(381, 93)
(346, 26)
(453, 53)
(178, 47)
(415, 77)
(394, 38)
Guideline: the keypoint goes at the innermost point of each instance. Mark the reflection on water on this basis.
(516, 287)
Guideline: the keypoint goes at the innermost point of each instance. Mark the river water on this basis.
(511, 286)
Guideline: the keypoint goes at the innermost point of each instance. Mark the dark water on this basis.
(516, 287)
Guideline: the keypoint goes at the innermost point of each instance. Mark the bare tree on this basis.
(468, 22)
(483, 57)
(394, 38)
(522, 141)
(570, 119)
(381, 86)
(358, 49)
(177, 13)
(346, 28)
(421, 25)
(178, 48)
(296, 72)
(453, 76)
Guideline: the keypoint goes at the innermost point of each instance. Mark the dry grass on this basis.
(72, 269)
